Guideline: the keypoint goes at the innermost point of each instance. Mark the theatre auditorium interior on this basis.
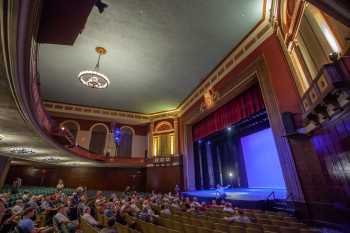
(175, 116)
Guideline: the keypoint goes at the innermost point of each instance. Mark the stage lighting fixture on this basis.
(199, 141)
(209, 142)
(228, 128)
(230, 174)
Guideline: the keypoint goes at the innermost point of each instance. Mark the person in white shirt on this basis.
(89, 219)
(60, 185)
(61, 221)
(18, 208)
(228, 208)
(238, 216)
(165, 210)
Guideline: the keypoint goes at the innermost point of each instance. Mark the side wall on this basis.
(160, 179)
(139, 140)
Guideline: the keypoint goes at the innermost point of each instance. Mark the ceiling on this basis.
(157, 51)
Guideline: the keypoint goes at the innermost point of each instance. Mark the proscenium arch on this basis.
(98, 138)
(257, 71)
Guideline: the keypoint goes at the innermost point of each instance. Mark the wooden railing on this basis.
(169, 160)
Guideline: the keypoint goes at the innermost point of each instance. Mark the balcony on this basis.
(328, 94)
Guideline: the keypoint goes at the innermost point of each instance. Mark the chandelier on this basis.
(21, 150)
(93, 78)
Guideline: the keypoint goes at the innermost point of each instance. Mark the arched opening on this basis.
(125, 146)
(98, 139)
(72, 127)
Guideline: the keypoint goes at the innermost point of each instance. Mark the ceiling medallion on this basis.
(21, 150)
(93, 78)
(210, 97)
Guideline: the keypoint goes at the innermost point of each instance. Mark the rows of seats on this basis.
(35, 190)
(212, 222)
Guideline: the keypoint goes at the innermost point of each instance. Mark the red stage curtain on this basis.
(241, 107)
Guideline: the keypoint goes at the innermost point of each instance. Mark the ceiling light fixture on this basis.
(21, 150)
(92, 78)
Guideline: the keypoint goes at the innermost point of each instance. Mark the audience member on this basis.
(110, 227)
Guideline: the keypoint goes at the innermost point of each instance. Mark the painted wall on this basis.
(261, 160)
(139, 143)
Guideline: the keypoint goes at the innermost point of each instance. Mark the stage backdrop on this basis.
(261, 160)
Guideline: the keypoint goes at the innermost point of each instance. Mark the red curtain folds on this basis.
(243, 106)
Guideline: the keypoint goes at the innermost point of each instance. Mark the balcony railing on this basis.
(165, 160)
(328, 94)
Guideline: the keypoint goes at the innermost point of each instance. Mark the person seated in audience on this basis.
(89, 219)
(108, 210)
(110, 227)
(18, 207)
(228, 208)
(238, 216)
(133, 207)
(8, 220)
(26, 196)
(119, 217)
(164, 210)
(82, 205)
(60, 185)
(27, 225)
(100, 201)
(147, 215)
(62, 224)
(195, 203)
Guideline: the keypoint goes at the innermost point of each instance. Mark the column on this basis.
(5, 164)
(176, 136)
(150, 140)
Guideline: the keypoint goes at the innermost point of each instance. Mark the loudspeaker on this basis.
(288, 123)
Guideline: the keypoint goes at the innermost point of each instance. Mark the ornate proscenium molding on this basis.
(210, 97)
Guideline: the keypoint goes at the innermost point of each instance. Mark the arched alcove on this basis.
(125, 146)
(73, 127)
(98, 138)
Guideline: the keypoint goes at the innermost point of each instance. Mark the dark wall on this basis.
(162, 179)
(332, 146)
(92, 177)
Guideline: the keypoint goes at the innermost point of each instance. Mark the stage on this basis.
(243, 197)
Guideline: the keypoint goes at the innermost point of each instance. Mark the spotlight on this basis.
(209, 142)
(230, 174)
(62, 128)
(199, 141)
(228, 128)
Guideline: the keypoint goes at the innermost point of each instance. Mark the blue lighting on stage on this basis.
(261, 160)
(117, 135)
